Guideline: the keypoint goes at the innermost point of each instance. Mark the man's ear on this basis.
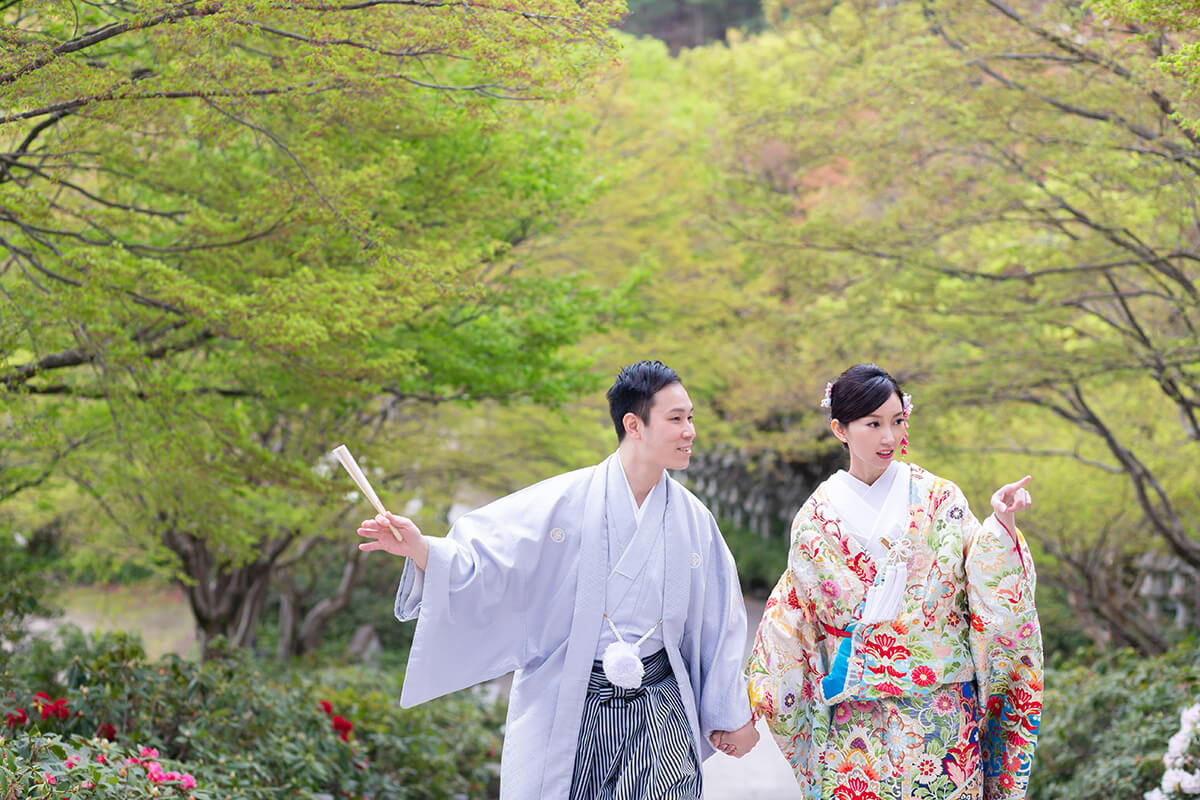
(633, 425)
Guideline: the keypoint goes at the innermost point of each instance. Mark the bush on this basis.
(760, 561)
(45, 767)
(1105, 724)
(238, 727)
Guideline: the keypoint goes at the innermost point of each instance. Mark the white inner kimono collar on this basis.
(631, 536)
(877, 514)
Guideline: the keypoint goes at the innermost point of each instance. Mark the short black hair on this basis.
(859, 391)
(634, 391)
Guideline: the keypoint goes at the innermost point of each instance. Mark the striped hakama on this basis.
(636, 744)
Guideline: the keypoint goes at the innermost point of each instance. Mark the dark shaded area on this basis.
(691, 23)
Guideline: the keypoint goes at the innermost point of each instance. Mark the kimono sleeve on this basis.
(1006, 646)
(785, 672)
(722, 701)
(471, 604)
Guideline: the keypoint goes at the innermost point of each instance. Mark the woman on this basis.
(900, 654)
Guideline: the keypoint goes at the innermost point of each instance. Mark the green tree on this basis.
(237, 233)
(995, 200)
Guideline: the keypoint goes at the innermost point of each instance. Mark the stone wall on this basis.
(761, 491)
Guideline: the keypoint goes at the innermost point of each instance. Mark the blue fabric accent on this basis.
(834, 683)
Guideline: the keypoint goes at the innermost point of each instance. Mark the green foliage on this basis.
(240, 729)
(23, 594)
(237, 235)
(1106, 721)
(47, 767)
(967, 195)
(760, 561)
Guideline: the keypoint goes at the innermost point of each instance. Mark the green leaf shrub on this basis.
(239, 727)
(47, 767)
(1106, 722)
(760, 561)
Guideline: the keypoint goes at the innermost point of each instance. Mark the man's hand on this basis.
(735, 743)
(411, 543)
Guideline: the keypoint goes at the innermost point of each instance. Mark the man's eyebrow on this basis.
(689, 409)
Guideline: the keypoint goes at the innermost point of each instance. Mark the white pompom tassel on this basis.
(621, 662)
(622, 666)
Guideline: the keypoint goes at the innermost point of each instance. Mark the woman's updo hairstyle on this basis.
(859, 391)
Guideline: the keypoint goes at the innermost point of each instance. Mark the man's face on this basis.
(666, 437)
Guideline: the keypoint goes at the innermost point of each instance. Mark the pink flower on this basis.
(50, 778)
(101, 758)
(149, 752)
(830, 589)
(154, 772)
(72, 762)
(187, 781)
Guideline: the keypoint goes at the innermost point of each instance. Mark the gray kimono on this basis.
(520, 585)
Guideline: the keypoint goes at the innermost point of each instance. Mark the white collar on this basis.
(875, 512)
(639, 511)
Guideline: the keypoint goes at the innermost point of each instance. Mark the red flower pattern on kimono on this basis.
(923, 676)
(855, 789)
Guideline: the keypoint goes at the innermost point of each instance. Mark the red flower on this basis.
(327, 707)
(107, 731)
(343, 727)
(60, 708)
(792, 600)
(51, 708)
(923, 676)
(15, 718)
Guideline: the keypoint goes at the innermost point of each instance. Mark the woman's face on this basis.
(874, 440)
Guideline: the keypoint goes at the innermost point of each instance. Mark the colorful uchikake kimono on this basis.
(522, 585)
(942, 701)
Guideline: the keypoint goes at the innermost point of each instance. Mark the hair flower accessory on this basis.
(906, 406)
(827, 400)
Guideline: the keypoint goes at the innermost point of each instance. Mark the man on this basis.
(567, 581)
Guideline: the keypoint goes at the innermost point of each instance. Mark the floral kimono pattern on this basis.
(942, 702)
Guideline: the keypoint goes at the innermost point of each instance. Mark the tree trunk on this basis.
(226, 600)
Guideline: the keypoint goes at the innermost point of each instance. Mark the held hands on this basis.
(735, 743)
(1009, 499)
(410, 545)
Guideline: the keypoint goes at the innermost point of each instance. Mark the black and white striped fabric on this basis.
(636, 744)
